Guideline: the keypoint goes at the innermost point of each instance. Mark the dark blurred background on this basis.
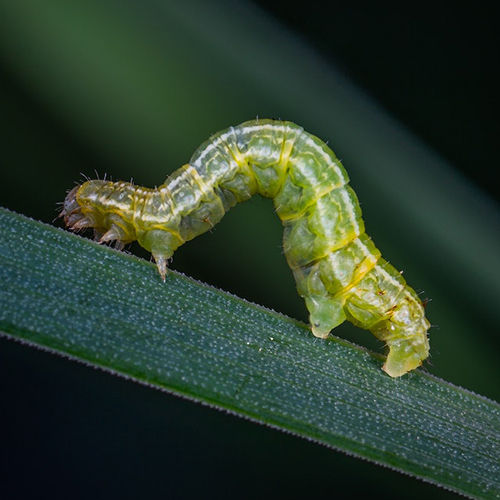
(407, 98)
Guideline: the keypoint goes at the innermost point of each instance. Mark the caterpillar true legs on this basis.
(338, 270)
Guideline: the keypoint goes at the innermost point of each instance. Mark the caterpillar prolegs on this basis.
(339, 271)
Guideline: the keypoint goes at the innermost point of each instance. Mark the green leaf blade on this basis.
(111, 310)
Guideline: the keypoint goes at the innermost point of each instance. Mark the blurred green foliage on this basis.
(130, 89)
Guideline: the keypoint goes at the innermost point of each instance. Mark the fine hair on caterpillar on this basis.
(338, 270)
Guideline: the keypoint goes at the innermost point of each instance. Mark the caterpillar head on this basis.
(122, 212)
(94, 204)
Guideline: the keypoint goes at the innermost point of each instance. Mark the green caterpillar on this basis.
(339, 271)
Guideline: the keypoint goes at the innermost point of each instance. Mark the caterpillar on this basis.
(337, 268)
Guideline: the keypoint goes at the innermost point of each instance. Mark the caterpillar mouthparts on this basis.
(71, 211)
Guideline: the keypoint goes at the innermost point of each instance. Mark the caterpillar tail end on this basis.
(398, 364)
(406, 353)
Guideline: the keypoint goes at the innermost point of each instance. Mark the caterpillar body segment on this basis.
(338, 270)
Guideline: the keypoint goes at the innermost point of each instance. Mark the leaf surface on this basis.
(110, 310)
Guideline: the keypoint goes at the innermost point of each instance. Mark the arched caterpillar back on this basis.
(339, 271)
